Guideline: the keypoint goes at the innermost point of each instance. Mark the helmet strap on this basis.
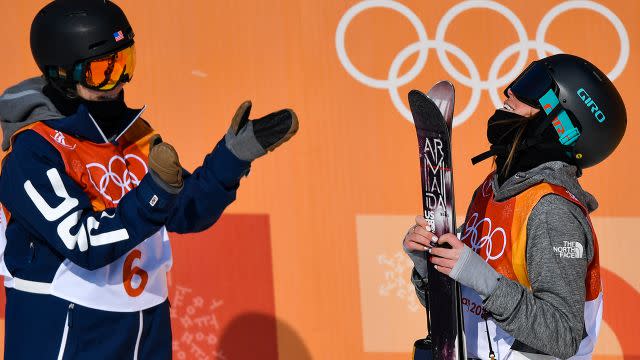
(67, 87)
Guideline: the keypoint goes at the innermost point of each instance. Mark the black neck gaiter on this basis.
(110, 115)
(502, 131)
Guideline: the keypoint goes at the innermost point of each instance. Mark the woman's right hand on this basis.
(418, 240)
(419, 237)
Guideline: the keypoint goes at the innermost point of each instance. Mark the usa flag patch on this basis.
(118, 36)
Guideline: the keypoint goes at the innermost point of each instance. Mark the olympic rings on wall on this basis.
(492, 83)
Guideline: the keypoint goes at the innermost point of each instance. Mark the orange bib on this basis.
(497, 231)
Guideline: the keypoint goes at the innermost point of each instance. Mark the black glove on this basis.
(248, 140)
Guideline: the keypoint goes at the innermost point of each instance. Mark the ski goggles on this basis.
(108, 71)
(534, 82)
(537, 88)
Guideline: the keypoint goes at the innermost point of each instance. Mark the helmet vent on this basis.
(97, 44)
(598, 76)
(77, 13)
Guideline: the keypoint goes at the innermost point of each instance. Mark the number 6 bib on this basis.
(134, 282)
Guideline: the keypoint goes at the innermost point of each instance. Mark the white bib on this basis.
(476, 331)
(136, 281)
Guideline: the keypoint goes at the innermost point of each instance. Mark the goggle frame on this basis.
(80, 70)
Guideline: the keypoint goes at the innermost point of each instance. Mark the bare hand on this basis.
(445, 259)
(419, 236)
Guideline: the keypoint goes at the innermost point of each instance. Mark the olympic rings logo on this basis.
(492, 83)
(486, 241)
(125, 182)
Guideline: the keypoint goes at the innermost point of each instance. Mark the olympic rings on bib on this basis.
(124, 182)
(492, 83)
(483, 242)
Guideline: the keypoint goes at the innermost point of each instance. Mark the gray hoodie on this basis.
(549, 318)
(24, 104)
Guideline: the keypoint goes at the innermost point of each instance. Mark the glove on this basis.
(248, 140)
(164, 162)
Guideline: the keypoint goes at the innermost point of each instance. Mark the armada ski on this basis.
(433, 116)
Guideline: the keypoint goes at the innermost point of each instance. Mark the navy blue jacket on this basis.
(35, 248)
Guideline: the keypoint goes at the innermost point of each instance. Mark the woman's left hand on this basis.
(464, 265)
(445, 259)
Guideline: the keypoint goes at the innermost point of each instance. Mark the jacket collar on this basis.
(83, 125)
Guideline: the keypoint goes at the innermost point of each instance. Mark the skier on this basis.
(89, 192)
(527, 255)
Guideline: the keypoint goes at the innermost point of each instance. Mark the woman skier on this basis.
(527, 255)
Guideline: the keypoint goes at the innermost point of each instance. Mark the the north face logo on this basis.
(570, 249)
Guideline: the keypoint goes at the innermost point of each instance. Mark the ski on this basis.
(433, 117)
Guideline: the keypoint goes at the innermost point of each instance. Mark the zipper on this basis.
(137, 347)
(65, 333)
(70, 314)
(32, 250)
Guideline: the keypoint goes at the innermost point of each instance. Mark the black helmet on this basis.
(66, 32)
(579, 101)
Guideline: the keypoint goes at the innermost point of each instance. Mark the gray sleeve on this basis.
(550, 316)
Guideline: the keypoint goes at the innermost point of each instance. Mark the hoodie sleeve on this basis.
(548, 318)
(208, 191)
(35, 188)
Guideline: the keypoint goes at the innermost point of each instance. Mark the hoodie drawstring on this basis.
(492, 355)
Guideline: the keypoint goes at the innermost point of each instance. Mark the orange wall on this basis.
(354, 159)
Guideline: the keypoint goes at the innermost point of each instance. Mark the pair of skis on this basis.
(433, 116)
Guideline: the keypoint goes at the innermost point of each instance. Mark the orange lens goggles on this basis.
(106, 72)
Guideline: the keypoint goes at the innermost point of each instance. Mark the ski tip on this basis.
(424, 111)
(417, 96)
(442, 86)
(415, 93)
(446, 83)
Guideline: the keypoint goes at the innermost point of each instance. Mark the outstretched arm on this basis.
(208, 191)
(212, 186)
(36, 189)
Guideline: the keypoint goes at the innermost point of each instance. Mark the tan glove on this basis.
(164, 162)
